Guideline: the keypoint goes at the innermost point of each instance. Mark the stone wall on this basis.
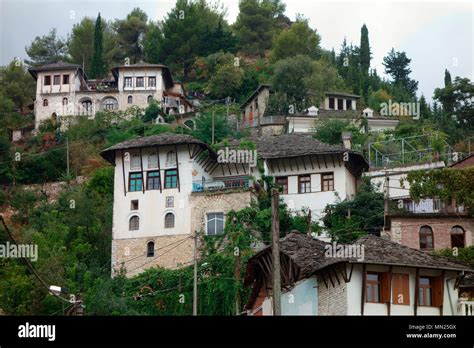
(406, 230)
(332, 300)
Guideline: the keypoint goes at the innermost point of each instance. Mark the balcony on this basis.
(466, 307)
(221, 184)
(433, 206)
(267, 120)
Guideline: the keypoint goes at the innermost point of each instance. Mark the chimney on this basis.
(347, 140)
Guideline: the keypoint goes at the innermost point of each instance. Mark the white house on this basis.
(168, 186)
(64, 89)
(384, 279)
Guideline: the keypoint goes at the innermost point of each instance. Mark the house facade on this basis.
(386, 279)
(336, 105)
(169, 186)
(63, 89)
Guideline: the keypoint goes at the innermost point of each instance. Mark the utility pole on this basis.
(276, 278)
(386, 201)
(67, 155)
(213, 127)
(195, 291)
(237, 272)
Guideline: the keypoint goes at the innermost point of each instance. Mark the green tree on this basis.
(226, 82)
(203, 132)
(47, 49)
(349, 219)
(254, 26)
(81, 43)
(397, 66)
(98, 68)
(16, 85)
(365, 54)
(219, 39)
(130, 32)
(151, 44)
(298, 39)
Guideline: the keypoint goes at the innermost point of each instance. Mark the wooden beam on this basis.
(297, 166)
(123, 175)
(417, 290)
(177, 167)
(335, 274)
(443, 273)
(333, 162)
(325, 163)
(364, 286)
(330, 278)
(324, 280)
(159, 167)
(304, 162)
(278, 165)
(317, 159)
(389, 289)
(143, 173)
(311, 159)
(289, 161)
(283, 162)
(339, 161)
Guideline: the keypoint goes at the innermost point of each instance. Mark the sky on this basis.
(436, 35)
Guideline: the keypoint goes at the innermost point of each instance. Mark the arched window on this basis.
(426, 237)
(150, 249)
(45, 102)
(189, 123)
(54, 116)
(457, 237)
(150, 99)
(153, 160)
(134, 223)
(64, 101)
(170, 159)
(109, 103)
(130, 99)
(169, 220)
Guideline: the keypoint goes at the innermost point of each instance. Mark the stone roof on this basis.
(254, 93)
(468, 281)
(342, 94)
(164, 139)
(308, 254)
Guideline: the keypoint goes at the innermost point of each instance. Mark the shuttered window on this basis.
(400, 289)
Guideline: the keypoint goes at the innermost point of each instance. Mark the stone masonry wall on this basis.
(332, 300)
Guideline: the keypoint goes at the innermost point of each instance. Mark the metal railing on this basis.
(221, 184)
(266, 120)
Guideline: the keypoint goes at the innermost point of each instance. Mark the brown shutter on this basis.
(400, 286)
(385, 287)
(438, 292)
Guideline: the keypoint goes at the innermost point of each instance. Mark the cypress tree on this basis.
(97, 64)
(364, 49)
(447, 78)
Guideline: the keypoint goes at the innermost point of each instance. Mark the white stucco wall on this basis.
(354, 292)
(301, 300)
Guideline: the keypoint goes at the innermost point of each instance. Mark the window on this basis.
(128, 82)
(215, 223)
(152, 81)
(331, 103)
(426, 237)
(45, 102)
(110, 103)
(340, 104)
(349, 104)
(171, 159)
(134, 223)
(56, 79)
(139, 82)
(135, 182)
(169, 220)
(150, 249)
(153, 180)
(304, 183)
(327, 182)
(457, 237)
(283, 182)
(135, 163)
(86, 107)
(65, 79)
(47, 80)
(170, 202)
(64, 101)
(374, 282)
(400, 289)
(152, 160)
(150, 99)
(134, 204)
(129, 99)
(171, 178)
(426, 292)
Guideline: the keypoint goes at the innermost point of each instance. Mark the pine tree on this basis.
(447, 78)
(97, 64)
(364, 49)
